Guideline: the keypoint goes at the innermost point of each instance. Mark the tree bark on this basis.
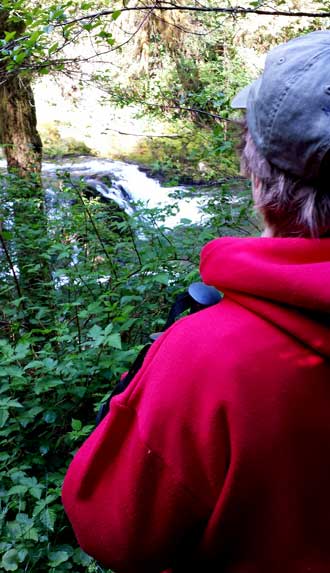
(18, 122)
(18, 127)
(22, 147)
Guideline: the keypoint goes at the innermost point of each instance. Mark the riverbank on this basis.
(196, 158)
(164, 176)
(176, 153)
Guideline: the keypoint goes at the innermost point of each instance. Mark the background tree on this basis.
(18, 125)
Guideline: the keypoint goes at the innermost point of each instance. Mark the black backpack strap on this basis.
(181, 303)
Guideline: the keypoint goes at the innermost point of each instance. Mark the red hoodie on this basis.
(217, 456)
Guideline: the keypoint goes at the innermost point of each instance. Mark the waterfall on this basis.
(128, 186)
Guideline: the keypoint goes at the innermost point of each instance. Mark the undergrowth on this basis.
(82, 287)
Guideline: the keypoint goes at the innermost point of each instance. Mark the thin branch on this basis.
(193, 109)
(78, 329)
(135, 245)
(163, 107)
(96, 231)
(158, 6)
(174, 136)
(233, 10)
(11, 265)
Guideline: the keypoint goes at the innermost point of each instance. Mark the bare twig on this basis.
(174, 136)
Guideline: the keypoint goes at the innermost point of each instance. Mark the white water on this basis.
(129, 186)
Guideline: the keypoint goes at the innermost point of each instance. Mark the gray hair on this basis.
(292, 207)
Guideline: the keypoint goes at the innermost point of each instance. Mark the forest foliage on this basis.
(82, 283)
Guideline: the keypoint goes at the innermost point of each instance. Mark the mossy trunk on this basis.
(22, 147)
(19, 136)
(18, 127)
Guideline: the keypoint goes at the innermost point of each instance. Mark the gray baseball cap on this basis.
(288, 107)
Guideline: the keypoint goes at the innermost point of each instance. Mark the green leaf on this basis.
(44, 385)
(24, 519)
(48, 518)
(34, 37)
(10, 560)
(42, 505)
(116, 14)
(50, 416)
(14, 531)
(81, 558)
(88, 27)
(50, 363)
(53, 48)
(44, 449)
(22, 553)
(7, 403)
(76, 425)
(58, 557)
(44, 71)
(36, 491)
(31, 534)
(18, 490)
(34, 364)
(162, 278)
(9, 36)
(20, 57)
(114, 340)
(22, 350)
(4, 415)
(108, 329)
(95, 332)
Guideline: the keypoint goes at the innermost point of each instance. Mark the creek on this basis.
(133, 191)
(127, 185)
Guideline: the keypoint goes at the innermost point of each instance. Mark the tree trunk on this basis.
(18, 127)
(22, 147)
(18, 123)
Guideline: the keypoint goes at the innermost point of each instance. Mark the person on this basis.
(216, 458)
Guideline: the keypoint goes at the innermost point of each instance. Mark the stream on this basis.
(127, 185)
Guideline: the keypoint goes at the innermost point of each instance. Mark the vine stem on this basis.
(78, 329)
(10, 263)
(135, 245)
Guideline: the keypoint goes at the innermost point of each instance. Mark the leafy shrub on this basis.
(55, 145)
(73, 318)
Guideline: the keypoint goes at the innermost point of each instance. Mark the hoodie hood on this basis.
(286, 281)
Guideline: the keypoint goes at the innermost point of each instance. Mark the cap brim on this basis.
(240, 100)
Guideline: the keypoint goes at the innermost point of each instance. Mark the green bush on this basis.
(65, 342)
(54, 145)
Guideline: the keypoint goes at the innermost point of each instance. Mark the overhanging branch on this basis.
(233, 10)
